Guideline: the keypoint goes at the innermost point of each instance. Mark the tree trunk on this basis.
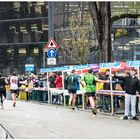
(106, 42)
(102, 20)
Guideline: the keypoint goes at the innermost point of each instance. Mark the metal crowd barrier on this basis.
(54, 91)
(103, 93)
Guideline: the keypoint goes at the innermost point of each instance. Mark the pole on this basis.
(43, 58)
(63, 88)
(138, 71)
(111, 89)
(83, 95)
(48, 87)
(63, 80)
(64, 96)
(51, 19)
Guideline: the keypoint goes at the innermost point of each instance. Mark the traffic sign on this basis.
(29, 67)
(51, 44)
(51, 53)
(51, 61)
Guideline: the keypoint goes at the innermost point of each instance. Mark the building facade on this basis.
(125, 32)
(23, 32)
(25, 28)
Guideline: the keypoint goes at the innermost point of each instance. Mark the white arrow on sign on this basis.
(51, 52)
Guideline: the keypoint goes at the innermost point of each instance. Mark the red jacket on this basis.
(58, 82)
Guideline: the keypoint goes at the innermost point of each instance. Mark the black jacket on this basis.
(52, 81)
(107, 85)
(2, 84)
(131, 84)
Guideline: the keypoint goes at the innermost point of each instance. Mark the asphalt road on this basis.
(34, 120)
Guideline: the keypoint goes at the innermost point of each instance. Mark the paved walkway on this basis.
(33, 120)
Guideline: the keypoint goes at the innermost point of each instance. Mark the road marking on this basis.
(8, 134)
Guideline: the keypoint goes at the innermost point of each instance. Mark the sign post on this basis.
(51, 52)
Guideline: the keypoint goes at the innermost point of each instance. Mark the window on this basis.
(22, 51)
(36, 51)
(9, 50)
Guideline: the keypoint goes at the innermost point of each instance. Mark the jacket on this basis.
(2, 84)
(58, 82)
(131, 84)
(106, 86)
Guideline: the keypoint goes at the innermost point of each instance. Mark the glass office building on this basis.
(23, 32)
(62, 12)
(24, 28)
(125, 32)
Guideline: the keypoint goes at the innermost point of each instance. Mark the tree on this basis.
(103, 20)
(76, 39)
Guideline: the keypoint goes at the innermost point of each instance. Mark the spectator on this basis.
(58, 81)
(65, 80)
(29, 86)
(131, 86)
(58, 85)
(52, 78)
(107, 87)
(99, 86)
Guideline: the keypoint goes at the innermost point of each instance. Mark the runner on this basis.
(72, 88)
(14, 87)
(90, 81)
(3, 83)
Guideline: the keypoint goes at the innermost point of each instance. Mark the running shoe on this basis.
(14, 104)
(124, 118)
(93, 112)
(1, 106)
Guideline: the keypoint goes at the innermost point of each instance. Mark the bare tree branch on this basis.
(94, 14)
(71, 58)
